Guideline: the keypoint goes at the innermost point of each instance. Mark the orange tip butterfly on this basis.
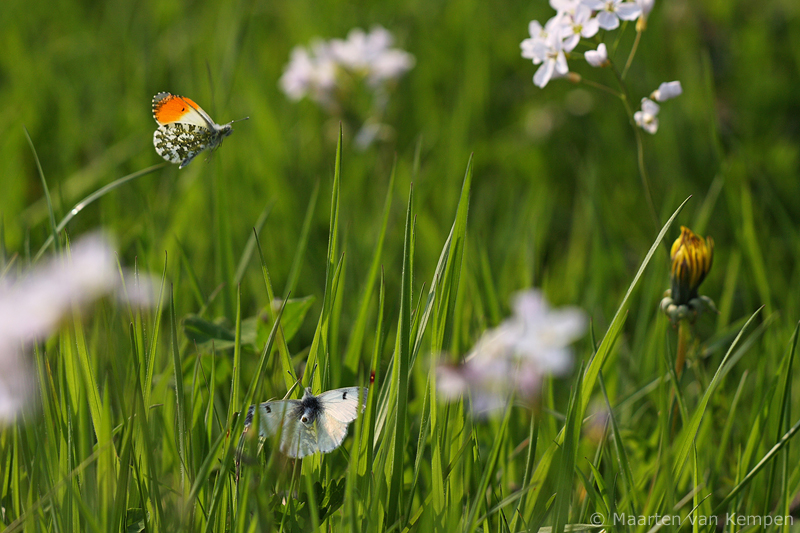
(184, 129)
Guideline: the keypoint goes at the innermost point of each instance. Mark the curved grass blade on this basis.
(594, 367)
(53, 228)
(99, 193)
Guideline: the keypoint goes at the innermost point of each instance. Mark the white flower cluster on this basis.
(548, 45)
(320, 71)
(515, 356)
(647, 118)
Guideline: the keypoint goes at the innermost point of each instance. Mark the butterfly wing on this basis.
(169, 108)
(330, 433)
(180, 142)
(342, 405)
(271, 416)
(298, 439)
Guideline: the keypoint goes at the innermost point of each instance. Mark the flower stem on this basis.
(633, 53)
(602, 87)
(639, 148)
(683, 343)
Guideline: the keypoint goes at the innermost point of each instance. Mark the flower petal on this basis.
(628, 11)
(544, 73)
(607, 21)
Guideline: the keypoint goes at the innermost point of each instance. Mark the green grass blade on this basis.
(99, 193)
(318, 354)
(302, 243)
(53, 228)
(690, 431)
(400, 375)
(354, 346)
(180, 397)
(287, 369)
(593, 369)
(250, 247)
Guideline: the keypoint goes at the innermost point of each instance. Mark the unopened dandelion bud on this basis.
(691, 258)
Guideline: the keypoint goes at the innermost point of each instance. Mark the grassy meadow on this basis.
(290, 247)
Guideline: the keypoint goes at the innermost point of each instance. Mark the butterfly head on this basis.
(311, 408)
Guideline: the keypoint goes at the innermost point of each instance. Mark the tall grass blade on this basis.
(400, 375)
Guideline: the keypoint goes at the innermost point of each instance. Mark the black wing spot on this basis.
(344, 395)
(269, 409)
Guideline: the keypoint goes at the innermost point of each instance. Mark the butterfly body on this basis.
(312, 424)
(184, 129)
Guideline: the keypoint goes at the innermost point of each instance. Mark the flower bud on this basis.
(691, 258)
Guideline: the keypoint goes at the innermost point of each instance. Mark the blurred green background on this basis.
(556, 201)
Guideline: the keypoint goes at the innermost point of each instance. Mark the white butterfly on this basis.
(312, 424)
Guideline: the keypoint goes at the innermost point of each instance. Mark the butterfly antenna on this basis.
(311, 380)
(239, 120)
(294, 386)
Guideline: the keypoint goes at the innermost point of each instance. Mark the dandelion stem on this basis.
(683, 342)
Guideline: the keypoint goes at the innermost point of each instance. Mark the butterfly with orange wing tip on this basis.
(184, 129)
(309, 425)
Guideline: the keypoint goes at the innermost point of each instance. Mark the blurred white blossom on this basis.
(667, 90)
(647, 118)
(609, 12)
(597, 58)
(32, 307)
(515, 356)
(331, 72)
(311, 74)
(370, 55)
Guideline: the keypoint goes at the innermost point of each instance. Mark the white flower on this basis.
(667, 90)
(610, 11)
(515, 356)
(33, 307)
(597, 58)
(646, 6)
(532, 46)
(554, 63)
(565, 6)
(647, 118)
(579, 24)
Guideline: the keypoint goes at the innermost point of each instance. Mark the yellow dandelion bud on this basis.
(691, 258)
